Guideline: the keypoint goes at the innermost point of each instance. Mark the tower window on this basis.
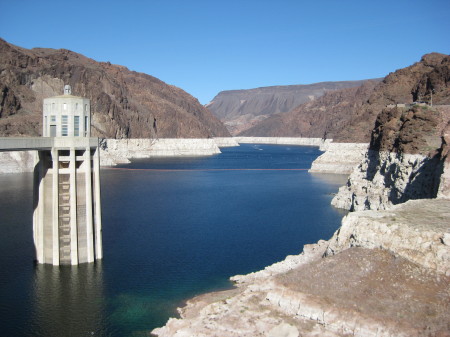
(76, 126)
(86, 123)
(65, 106)
(64, 130)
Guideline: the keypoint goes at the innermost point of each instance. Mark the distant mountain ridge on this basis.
(124, 103)
(241, 109)
(349, 115)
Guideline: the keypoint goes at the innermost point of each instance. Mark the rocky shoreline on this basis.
(118, 151)
(339, 158)
(386, 178)
(383, 273)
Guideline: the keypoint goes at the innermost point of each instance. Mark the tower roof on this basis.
(67, 93)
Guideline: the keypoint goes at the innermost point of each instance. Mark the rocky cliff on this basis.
(124, 103)
(406, 160)
(349, 115)
(241, 109)
(339, 158)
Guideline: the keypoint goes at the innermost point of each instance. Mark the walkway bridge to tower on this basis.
(44, 143)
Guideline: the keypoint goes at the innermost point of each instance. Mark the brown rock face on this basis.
(416, 129)
(124, 103)
(349, 115)
(326, 117)
(241, 109)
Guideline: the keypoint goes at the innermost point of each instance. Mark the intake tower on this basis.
(67, 225)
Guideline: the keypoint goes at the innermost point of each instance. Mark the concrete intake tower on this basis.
(67, 224)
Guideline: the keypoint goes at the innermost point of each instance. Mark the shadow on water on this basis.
(333, 179)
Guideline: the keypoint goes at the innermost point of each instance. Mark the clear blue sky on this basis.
(205, 47)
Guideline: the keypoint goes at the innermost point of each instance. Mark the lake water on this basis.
(172, 229)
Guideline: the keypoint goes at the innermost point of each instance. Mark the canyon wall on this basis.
(328, 116)
(241, 109)
(124, 103)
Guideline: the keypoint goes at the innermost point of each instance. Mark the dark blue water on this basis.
(172, 228)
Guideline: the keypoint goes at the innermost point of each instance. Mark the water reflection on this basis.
(332, 179)
(68, 299)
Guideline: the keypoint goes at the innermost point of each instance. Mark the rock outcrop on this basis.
(444, 185)
(339, 158)
(124, 103)
(418, 230)
(383, 273)
(408, 154)
(241, 109)
(386, 178)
